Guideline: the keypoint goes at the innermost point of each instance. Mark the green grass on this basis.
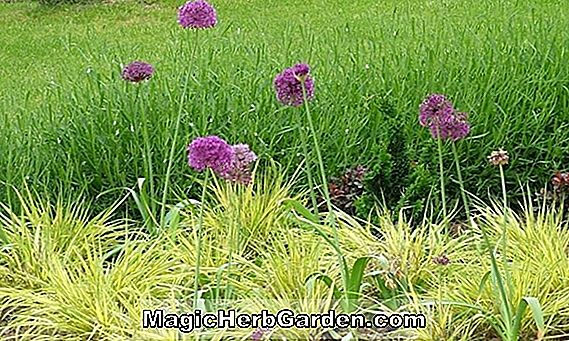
(69, 122)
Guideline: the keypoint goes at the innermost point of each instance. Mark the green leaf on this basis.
(537, 314)
(327, 280)
(355, 280)
(354, 283)
(483, 282)
(303, 211)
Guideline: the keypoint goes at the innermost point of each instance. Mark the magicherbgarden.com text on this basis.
(286, 318)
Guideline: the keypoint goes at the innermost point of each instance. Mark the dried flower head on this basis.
(137, 71)
(499, 157)
(441, 260)
(197, 14)
(288, 85)
(438, 114)
(211, 152)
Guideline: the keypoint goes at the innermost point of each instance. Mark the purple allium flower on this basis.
(441, 260)
(259, 333)
(211, 152)
(288, 85)
(137, 71)
(241, 168)
(197, 14)
(438, 114)
(432, 108)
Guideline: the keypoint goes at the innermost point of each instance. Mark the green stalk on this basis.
(176, 129)
(308, 169)
(198, 241)
(461, 184)
(233, 241)
(493, 262)
(341, 259)
(442, 174)
(505, 225)
(148, 153)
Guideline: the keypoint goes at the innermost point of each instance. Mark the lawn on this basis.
(102, 216)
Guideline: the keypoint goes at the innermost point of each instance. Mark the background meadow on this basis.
(70, 122)
(74, 131)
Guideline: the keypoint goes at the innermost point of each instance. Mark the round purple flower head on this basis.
(433, 109)
(288, 85)
(137, 71)
(259, 333)
(197, 14)
(241, 169)
(211, 152)
(438, 114)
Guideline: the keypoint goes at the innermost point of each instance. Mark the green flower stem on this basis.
(504, 232)
(308, 169)
(175, 137)
(493, 262)
(461, 184)
(341, 259)
(198, 240)
(504, 196)
(442, 174)
(148, 154)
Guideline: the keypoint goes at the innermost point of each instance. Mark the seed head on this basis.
(499, 157)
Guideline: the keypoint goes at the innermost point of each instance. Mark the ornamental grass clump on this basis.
(137, 71)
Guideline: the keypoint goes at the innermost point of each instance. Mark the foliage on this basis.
(71, 124)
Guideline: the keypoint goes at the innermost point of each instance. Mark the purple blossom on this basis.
(259, 333)
(441, 260)
(288, 85)
(137, 71)
(438, 114)
(241, 168)
(211, 152)
(432, 108)
(197, 14)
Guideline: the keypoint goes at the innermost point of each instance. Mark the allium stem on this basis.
(175, 137)
(493, 262)
(341, 259)
(198, 240)
(504, 193)
(308, 168)
(504, 227)
(461, 184)
(147, 151)
(442, 178)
